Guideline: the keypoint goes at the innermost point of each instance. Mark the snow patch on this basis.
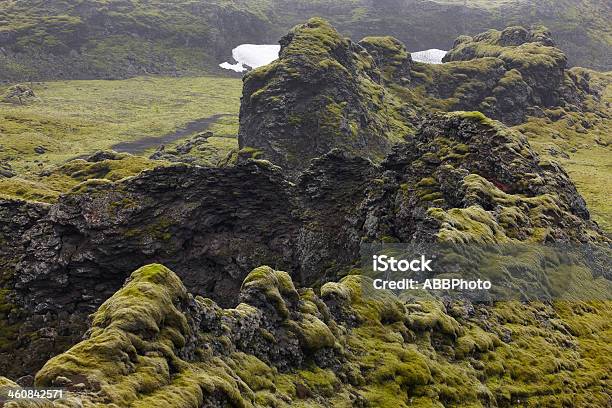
(252, 56)
(432, 56)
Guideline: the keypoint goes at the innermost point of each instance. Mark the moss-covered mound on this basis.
(508, 75)
(530, 52)
(154, 345)
(18, 95)
(323, 92)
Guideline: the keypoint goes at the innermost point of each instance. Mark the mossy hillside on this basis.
(158, 38)
(146, 38)
(140, 351)
(323, 92)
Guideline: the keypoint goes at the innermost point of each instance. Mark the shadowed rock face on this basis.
(213, 225)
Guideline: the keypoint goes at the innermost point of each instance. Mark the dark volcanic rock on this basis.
(323, 92)
(391, 56)
(6, 169)
(533, 70)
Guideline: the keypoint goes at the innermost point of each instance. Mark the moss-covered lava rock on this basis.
(323, 92)
(152, 344)
(460, 178)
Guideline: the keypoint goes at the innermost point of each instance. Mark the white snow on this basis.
(252, 56)
(432, 56)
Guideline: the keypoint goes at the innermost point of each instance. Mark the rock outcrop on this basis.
(326, 92)
(391, 56)
(323, 92)
(530, 52)
(507, 75)
(19, 95)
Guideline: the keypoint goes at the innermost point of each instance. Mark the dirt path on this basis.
(140, 145)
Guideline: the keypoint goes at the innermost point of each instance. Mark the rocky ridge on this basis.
(326, 91)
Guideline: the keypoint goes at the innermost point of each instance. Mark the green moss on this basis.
(387, 42)
(254, 372)
(90, 185)
(250, 152)
(427, 182)
(5, 382)
(131, 352)
(276, 285)
(314, 334)
(477, 116)
(467, 224)
(158, 229)
(475, 340)
(431, 317)
(395, 354)
(510, 79)
(321, 382)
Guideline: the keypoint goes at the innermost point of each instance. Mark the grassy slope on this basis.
(75, 118)
(118, 39)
